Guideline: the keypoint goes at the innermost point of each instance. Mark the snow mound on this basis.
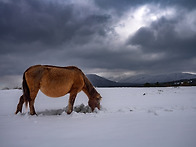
(82, 109)
(51, 112)
(78, 109)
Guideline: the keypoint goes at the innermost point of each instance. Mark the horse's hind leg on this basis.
(33, 94)
(20, 104)
(31, 106)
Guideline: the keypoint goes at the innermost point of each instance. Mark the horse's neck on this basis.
(90, 91)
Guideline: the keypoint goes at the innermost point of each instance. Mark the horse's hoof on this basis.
(69, 112)
(33, 113)
(18, 111)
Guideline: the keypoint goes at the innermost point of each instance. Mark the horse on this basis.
(56, 81)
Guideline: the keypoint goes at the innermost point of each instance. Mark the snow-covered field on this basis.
(130, 117)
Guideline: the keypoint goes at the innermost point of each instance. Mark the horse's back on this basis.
(34, 75)
(55, 81)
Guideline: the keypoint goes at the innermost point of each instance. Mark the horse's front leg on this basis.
(72, 98)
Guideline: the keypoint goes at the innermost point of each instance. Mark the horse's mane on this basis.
(89, 87)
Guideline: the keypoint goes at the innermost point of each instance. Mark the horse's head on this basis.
(95, 102)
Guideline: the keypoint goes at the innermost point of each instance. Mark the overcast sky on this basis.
(106, 37)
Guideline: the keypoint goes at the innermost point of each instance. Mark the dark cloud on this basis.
(162, 39)
(123, 5)
(162, 36)
(83, 33)
(32, 30)
(46, 22)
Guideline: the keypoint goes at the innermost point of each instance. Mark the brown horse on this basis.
(56, 81)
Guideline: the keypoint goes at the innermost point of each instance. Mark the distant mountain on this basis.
(98, 81)
(141, 79)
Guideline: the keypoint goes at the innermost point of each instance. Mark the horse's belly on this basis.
(54, 91)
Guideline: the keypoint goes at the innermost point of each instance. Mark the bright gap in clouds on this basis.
(141, 17)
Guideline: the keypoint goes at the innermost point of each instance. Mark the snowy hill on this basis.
(141, 79)
(98, 81)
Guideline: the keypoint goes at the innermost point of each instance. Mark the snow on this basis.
(138, 117)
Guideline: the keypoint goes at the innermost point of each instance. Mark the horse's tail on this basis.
(26, 92)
